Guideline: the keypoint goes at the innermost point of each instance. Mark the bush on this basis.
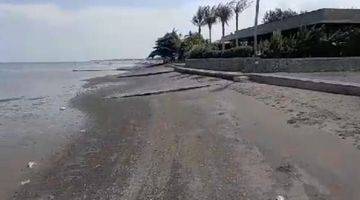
(314, 42)
(200, 51)
(278, 47)
(206, 51)
(351, 43)
(243, 51)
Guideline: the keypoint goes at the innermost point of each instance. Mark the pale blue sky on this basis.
(68, 30)
(76, 4)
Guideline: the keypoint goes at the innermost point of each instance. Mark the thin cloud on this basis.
(52, 32)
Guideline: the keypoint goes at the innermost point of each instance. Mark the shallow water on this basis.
(32, 126)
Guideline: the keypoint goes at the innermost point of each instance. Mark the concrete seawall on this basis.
(322, 85)
(258, 65)
(337, 87)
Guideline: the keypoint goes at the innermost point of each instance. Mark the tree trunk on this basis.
(237, 21)
(223, 28)
(199, 31)
(237, 28)
(256, 27)
(210, 34)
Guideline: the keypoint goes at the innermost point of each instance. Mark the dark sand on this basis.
(216, 142)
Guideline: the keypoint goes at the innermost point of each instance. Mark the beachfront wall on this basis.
(258, 65)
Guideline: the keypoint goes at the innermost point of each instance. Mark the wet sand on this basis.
(216, 142)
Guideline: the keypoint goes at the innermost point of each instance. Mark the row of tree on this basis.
(210, 15)
(173, 46)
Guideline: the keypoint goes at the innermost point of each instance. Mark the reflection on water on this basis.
(32, 126)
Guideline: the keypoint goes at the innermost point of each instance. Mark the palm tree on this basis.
(210, 18)
(198, 19)
(238, 8)
(256, 26)
(224, 13)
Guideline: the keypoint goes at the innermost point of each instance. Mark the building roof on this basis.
(321, 16)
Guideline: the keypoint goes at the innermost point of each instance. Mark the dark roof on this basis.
(322, 16)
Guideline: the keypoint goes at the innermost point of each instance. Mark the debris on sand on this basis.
(158, 92)
(83, 131)
(31, 164)
(287, 168)
(147, 74)
(279, 197)
(25, 182)
(62, 108)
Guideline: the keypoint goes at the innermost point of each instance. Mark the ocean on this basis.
(32, 124)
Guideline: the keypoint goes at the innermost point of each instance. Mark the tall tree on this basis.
(198, 18)
(210, 18)
(238, 8)
(224, 12)
(167, 47)
(256, 27)
(277, 15)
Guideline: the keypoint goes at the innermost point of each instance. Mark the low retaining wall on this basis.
(212, 73)
(258, 65)
(309, 84)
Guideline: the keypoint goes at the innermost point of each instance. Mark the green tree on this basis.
(167, 47)
(277, 15)
(189, 41)
(198, 18)
(224, 12)
(210, 19)
(238, 8)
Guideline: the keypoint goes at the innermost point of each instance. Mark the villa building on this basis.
(332, 19)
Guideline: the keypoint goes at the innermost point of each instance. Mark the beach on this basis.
(157, 134)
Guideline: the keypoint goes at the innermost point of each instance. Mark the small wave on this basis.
(10, 99)
(36, 98)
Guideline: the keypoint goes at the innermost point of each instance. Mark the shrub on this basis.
(351, 43)
(189, 41)
(278, 47)
(243, 51)
(201, 51)
(206, 51)
(314, 42)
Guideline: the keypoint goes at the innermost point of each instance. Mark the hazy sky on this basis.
(68, 30)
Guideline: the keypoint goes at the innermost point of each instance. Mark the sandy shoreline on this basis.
(226, 141)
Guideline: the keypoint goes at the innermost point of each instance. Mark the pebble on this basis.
(62, 108)
(279, 197)
(83, 131)
(25, 182)
(31, 164)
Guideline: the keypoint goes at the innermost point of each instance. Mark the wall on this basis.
(257, 65)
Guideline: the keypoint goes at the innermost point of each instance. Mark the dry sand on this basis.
(225, 141)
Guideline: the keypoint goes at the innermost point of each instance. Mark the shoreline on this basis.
(39, 123)
(220, 141)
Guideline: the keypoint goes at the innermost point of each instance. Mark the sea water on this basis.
(32, 124)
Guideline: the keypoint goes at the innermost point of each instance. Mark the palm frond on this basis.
(224, 12)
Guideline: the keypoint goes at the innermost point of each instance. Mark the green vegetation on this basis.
(210, 18)
(313, 42)
(277, 15)
(211, 51)
(239, 7)
(188, 42)
(199, 18)
(172, 47)
(307, 42)
(224, 14)
(167, 47)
